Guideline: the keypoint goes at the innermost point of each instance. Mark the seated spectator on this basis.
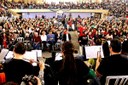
(36, 41)
(16, 68)
(112, 65)
(27, 42)
(44, 40)
(51, 40)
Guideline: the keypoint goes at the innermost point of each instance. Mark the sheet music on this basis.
(3, 54)
(91, 51)
(58, 56)
(39, 52)
(31, 55)
(108, 42)
(9, 55)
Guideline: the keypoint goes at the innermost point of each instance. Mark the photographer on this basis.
(24, 83)
(38, 81)
(30, 80)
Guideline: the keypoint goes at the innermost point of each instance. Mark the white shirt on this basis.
(43, 38)
(109, 36)
(67, 38)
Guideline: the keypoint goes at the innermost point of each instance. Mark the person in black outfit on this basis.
(124, 51)
(66, 36)
(49, 71)
(112, 65)
(83, 40)
(105, 47)
(17, 68)
(69, 71)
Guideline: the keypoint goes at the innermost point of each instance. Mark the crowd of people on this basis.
(69, 70)
(34, 31)
(41, 32)
(20, 34)
(117, 8)
(4, 13)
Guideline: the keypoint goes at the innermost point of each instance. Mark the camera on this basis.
(29, 78)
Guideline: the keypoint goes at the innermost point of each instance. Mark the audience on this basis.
(116, 8)
(87, 28)
(43, 33)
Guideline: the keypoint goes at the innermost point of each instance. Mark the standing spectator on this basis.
(66, 36)
(83, 40)
(69, 24)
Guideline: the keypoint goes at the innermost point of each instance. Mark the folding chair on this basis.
(119, 80)
(20, 39)
(28, 44)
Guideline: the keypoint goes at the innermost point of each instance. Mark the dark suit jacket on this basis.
(64, 37)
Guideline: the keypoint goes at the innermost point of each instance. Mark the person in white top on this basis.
(44, 40)
(109, 36)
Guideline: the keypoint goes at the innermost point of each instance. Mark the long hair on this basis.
(68, 64)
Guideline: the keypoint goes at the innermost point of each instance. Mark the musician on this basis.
(17, 68)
